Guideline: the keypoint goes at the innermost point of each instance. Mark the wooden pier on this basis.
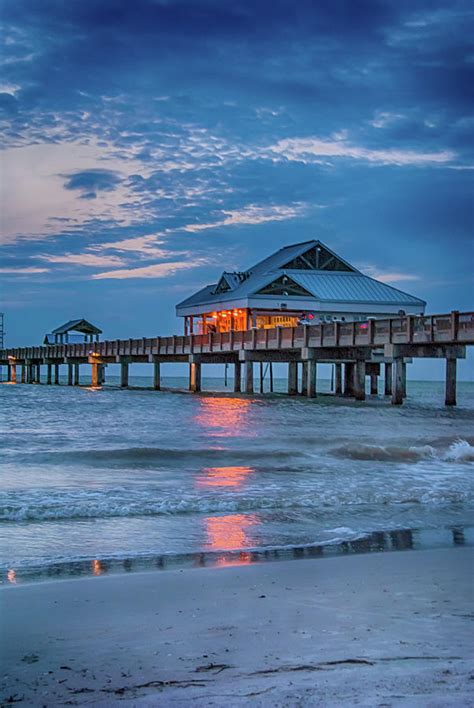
(357, 349)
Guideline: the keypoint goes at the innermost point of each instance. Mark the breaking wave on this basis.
(458, 451)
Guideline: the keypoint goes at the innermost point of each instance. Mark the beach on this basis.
(385, 629)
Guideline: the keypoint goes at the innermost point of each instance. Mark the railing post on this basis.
(336, 334)
(278, 338)
(253, 343)
(410, 328)
(370, 331)
(454, 325)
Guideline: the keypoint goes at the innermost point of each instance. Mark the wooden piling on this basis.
(348, 378)
(397, 381)
(123, 374)
(450, 388)
(271, 376)
(359, 380)
(13, 373)
(388, 379)
(23, 373)
(374, 389)
(69, 374)
(95, 375)
(261, 377)
(157, 376)
(76, 374)
(237, 377)
(249, 377)
(49, 368)
(195, 377)
(292, 378)
(304, 378)
(56, 374)
(338, 379)
(311, 380)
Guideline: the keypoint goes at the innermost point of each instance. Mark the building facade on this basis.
(301, 282)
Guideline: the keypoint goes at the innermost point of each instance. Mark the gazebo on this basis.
(73, 332)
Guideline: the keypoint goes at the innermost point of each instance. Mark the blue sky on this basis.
(149, 144)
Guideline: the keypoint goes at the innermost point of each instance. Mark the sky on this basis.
(149, 145)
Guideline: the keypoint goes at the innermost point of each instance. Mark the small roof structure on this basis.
(307, 275)
(77, 326)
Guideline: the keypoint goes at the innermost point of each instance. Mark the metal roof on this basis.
(77, 326)
(325, 286)
(350, 287)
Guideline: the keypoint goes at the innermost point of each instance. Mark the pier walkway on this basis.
(358, 349)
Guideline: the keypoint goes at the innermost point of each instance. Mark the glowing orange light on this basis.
(224, 314)
(97, 567)
(214, 315)
(226, 417)
(11, 576)
(229, 532)
(223, 476)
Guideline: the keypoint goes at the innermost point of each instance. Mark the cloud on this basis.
(145, 245)
(387, 276)
(84, 259)
(93, 180)
(384, 118)
(156, 270)
(24, 271)
(251, 214)
(308, 150)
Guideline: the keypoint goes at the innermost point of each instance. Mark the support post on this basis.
(450, 391)
(38, 373)
(261, 377)
(123, 374)
(292, 378)
(29, 373)
(23, 373)
(348, 378)
(76, 374)
(388, 379)
(69, 374)
(95, 375)
(271, 376)
(102, 368)
(56, 374)
(311, 380)
(374, 389)
(195, 377)
(397, 381)
(304, 378)
(404, 380)
(48, 374)
(157, 376)
(13, 373)
(249, 377)
(338, 379)
(359, 380)
(237, 377)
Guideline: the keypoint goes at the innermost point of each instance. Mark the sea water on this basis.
(115, 480)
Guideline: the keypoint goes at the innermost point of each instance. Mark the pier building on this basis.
(303, 282)
(73, 332)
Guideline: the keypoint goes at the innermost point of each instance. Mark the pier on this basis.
(357, 349)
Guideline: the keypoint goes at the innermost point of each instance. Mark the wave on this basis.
(107, 507)
(143, 456)
(458, 451)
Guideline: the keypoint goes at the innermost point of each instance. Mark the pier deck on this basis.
(360, 346)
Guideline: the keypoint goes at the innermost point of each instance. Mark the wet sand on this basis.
(384, 629)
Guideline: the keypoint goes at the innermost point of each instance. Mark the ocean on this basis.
(96, 482)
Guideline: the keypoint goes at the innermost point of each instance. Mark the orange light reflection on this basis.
(97, 567)
(11, 576)
(223, 476)
(227, 417)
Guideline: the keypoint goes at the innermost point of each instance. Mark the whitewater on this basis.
(97, 481)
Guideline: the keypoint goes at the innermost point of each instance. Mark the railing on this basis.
(455, 328)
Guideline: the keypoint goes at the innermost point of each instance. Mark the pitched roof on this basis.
(343, 284)
(77, 326)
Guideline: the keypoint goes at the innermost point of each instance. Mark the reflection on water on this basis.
(225, 417)
(228, 544)
(223, 476)
(97, 568)
(228, 533)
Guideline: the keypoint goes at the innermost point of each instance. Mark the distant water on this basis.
(97, 481)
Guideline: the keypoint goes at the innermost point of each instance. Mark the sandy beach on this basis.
(391, 629)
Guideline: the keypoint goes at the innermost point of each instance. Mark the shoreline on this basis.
(390, 541)
(393, 628)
